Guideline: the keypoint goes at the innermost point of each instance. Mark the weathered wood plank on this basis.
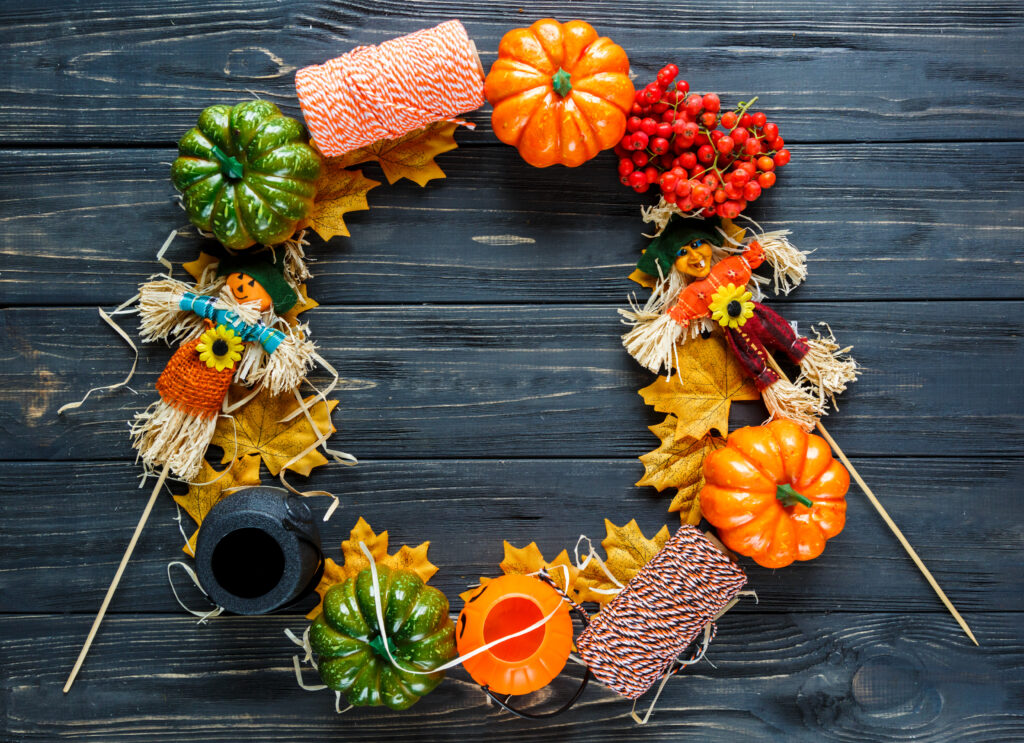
(82, 227)
(796, 677)
(65, 526)
(875, 70)
(458, 381)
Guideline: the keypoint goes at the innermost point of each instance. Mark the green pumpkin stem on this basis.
(378, 647)
(560, 81)
(789, 497)
(229, 166)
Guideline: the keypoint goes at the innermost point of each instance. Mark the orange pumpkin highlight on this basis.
(775, 493)
(504, 606)
(561, 94)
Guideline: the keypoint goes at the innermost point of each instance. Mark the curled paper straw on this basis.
(385, 91)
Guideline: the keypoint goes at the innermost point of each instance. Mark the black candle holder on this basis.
(259, 551)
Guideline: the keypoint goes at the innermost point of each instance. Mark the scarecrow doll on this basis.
(701, 274)
(230, 329)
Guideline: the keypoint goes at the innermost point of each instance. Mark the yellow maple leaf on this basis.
(679, 463)
(354, 561)
(338, 191)
(711, 380)
(627, 551)
(257, 428)
(527, 560)
(195, 268)
(411, 155)
(305, 303)
(200, 498)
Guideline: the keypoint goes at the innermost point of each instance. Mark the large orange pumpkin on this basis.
(503, 607)
(560, 93)
(775, 493)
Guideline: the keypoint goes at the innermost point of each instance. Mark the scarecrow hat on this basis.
(679, 231)
(269, 273)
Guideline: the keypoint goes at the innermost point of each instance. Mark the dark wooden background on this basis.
(485, 390)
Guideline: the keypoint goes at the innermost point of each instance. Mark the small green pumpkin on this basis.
(350, 653)
(246, 174)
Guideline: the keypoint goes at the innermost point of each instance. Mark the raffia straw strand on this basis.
(117, 578)
(203, 615)
(890, 523)
(131, 372)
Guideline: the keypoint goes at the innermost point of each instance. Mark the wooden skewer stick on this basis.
(889, 522)
(117, 578)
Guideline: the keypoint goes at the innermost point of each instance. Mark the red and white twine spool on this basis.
(385, 91)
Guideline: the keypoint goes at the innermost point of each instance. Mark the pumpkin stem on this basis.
(229, 166)
(560, 81)
(789, 497)
(378, 647)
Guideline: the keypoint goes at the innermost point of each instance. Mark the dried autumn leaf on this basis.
(258, 429)
(338, 191)
(354, 561)
(527, 560)
(711, 380)
(304, 304)
(195, 268)
(679, 463)
(410, 156)
(627, 551)
(200, 498)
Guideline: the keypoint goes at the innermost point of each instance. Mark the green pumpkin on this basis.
(246, 174)
(350, 654)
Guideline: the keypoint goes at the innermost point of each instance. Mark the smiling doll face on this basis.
(247, 289)
(694, 258)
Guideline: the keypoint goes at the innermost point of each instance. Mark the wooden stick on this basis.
(888, 520)
(117, 578)
(899, 534)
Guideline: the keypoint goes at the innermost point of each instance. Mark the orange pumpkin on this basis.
(560, 93)
(775, 493)
(503, 607)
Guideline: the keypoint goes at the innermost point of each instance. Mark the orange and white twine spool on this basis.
(385, 91)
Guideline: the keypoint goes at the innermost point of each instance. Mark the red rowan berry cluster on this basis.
(703, 159)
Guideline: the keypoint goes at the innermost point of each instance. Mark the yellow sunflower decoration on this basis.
(220, 348)
(730, 306)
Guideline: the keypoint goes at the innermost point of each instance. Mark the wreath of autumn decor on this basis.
(254, 181)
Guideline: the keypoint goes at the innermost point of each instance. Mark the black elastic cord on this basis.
(540, 716)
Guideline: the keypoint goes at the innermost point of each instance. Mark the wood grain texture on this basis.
(794, 677)
(529, 381)
(505, 407)
(892, 225)
(62, 551)
(871, 71)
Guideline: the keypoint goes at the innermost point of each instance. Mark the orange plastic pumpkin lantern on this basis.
(504, 606)
(560, 93)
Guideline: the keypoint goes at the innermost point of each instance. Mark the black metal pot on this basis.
(258, 550)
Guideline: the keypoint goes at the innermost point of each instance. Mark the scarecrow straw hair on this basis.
(295, 269)
(165, 435)
(653, 333)
(286, 368)
(784, 399)
(827, 367)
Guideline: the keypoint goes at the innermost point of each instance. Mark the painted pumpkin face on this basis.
(247, 289)
(694, 258)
